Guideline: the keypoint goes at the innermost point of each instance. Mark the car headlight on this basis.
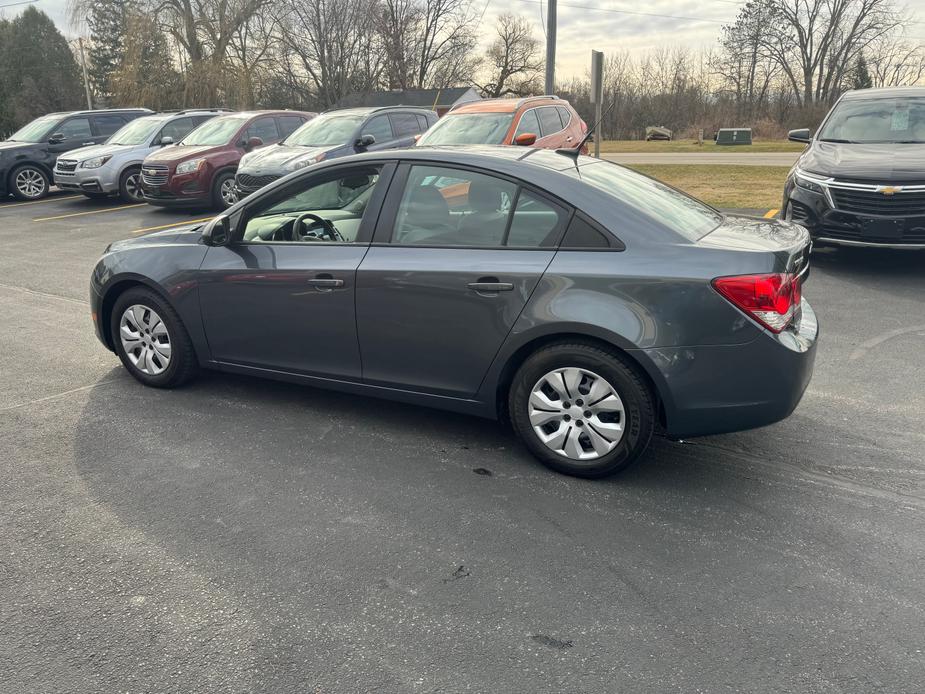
(190, 166)
(95, 163)
(302, 163)
(809, 181)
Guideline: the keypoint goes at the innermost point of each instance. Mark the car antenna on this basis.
(574, 152)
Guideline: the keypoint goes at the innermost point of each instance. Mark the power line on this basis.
(21, 2)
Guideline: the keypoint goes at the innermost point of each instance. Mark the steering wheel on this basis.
(301, 231)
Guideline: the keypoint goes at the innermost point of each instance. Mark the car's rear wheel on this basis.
(224, 192)
(151, 340)
(130, 186)
(581, 409)
(28, 183)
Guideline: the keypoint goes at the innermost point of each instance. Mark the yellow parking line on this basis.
(53, 198)
(81, 214)
(770, 214)
(175, 224)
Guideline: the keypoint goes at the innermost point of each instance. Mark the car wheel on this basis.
(150, 339)
(581, 409)
(28, 183)
(130, 186)
(224, 191)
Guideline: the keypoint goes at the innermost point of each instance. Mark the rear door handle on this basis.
(492, 286)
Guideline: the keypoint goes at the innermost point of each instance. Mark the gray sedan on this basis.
(588, 304)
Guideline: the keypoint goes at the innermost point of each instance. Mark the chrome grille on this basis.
(66, 165)
(154, 174)
(254, 182)
(897, 204)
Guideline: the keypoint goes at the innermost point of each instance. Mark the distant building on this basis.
(439, 100)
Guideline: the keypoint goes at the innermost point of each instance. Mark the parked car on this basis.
(199, 170)
(334, 134)
(115, 166)
(861, 179)
(538, 121)
(588, 302)
(27, 157)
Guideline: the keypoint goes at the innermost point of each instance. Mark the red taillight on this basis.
(769, 299)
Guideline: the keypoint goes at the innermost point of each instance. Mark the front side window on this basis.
(177, 129)
(454, 207)
(75, 127)
(528, 124)
(325, 131)
(666, 206)
(215, 132)
(264, 128)
(379, 128)
(318, 210)
(469, 129)
(877, 121)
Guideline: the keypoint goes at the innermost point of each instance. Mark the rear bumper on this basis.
(720, 389)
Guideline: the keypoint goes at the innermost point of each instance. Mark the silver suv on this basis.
(115, 166)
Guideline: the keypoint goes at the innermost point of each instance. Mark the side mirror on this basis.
(253, 142)
(525, 139)
(801, 135)
(166, 140)
(364, 141)
(217, 232)
(56, 138)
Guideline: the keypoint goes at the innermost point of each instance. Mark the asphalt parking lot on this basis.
(248, 536)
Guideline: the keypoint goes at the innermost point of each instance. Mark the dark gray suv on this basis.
(588, 303)
(333, 134)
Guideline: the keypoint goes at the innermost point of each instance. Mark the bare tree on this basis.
(513, 59)
(894, 63)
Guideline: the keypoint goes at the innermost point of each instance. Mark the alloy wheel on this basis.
(30, 183)
(145, 339)
(133, 186)
(228, 192)
(576, 413)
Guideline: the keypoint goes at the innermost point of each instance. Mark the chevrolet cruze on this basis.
(587, 303)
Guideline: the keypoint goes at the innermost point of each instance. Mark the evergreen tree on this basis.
(860, 75)
(38, 72)
(106, 21)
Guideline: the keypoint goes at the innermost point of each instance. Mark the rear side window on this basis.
(288, 125)
(264, 128)
(379, 128)
(549, 120)
(405, 124)
(664, 205)
(564, 116)
(177, 129)
(582, 234)
(528, 124)
(422, 122)
(107, 125)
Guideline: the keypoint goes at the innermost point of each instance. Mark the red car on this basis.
(536, 121)
(199, 170)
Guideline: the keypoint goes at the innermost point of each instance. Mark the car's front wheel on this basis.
(130, 186)
(151, 340)
(29, 183)
(581, 409)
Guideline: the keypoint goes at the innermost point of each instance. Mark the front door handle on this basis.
(325, 283)
(87, 144)
(490, 284)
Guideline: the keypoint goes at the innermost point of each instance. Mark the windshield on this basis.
(869, 121)
(214, 132)
(665, 205)
(469, 129)
(37, 131)
(324, 131)
(139, 131)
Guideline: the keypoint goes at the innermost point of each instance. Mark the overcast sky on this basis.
(582, 28)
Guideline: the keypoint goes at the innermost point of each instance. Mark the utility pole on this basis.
(551, 47)
(597, 96)
(83, 65)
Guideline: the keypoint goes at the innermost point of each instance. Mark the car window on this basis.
(177, 129)
(107, 125)
(379, 128)
(422, 122)
(549, 120)
(75, 127)
(528, 124)
(581, 235)
(289, 124)
(877, 121)
(264, 128)
(469, 129)
(318, 210)
(564, 115)
(405, 124)
(444, 206)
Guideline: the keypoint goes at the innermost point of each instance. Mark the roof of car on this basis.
(270, 112)
(486, 154)
(99, 111)
(363, 110)
(884, 93)
(499, 105)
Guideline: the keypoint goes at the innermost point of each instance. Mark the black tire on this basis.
(630, 386)
(126, 188)
(218, 201)
(182, 365)
(32, 171)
